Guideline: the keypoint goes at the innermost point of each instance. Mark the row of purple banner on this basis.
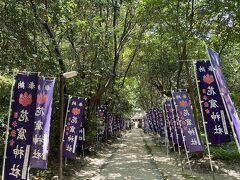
(109, 122)
(175, 122)
(29, 126)
(218, 111)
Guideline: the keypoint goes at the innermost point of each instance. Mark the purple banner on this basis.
(212, 104)
(118, 121)
(218, 72)
(146, 124)
(149, 118)
(161, 123)
(21, 125)
(81, 137)
(155, 119)
(110, 123)
(114, 122)
(185, 114)
(39, 149)
(170, 120)
(102, 114)
(73, 124)
(168, 131)
(177, 125)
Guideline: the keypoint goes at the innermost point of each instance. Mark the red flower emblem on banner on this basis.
(13, 133)
(25, 99)
(11, 142)
(76, 111)
(14, 123)
(209, 79)
(183, 104)
(41, 98)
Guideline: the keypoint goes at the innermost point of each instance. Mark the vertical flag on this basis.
(229, 105)
(73, 124)
(114, 122)
(168, 131)
(177, 125)
(110, 123)
(102, 114)
(185, 114)
(170, 119)
(21, 123)
(149, 118)
(161, 123)
(212, 104)
(81, 136)
(155, 119)
(39, 149)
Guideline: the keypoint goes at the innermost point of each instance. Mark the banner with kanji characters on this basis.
(170, 120)
(73, 124)
(177, 125)
(161, 123)
(39, 148)
(21, 124)
(149, 119)
(213, 109)
(114, 121)
(185, 114)
(110, 123)
(167, 124)
(81, 136)
(231, 110)
(102, 114)
(155, 119)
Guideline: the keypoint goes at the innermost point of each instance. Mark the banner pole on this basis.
(184, 143)
(83, 154)
(204, 123)
(165, 129)
(62, 138)
(171, 135)
(9, 117)
(175, 129)
(185, 147)
(179, 150)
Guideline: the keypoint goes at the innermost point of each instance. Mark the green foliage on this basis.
(127, 53)
(225, 152)
(5, 86)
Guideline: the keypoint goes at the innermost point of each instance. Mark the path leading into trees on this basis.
(132, 161)
(137, 156)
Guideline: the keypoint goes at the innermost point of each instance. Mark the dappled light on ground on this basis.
(140, 156)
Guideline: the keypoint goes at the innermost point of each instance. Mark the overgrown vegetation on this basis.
(128, 53)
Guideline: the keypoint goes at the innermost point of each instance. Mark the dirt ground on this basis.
(140, 156)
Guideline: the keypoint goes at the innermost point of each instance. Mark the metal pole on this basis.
(9, 117)
(179, 150)
(83, 139)
(165, 129)
(83, 151)
(185, 147)
(60, 176)
(204, 123)
(171, 135)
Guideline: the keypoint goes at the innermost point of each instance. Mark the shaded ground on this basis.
(137, 156)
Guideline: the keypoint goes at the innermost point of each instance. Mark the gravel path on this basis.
(137, 156)
(132, 160)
